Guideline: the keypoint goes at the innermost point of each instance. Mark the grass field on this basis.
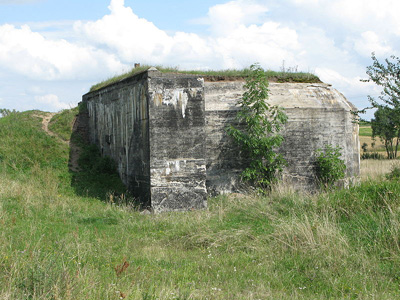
(365, 131)
(373, 145)
(60, 241)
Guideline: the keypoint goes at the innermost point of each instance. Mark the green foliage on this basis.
(258, 137)
(329, 166)
(394, 173)
(386, 124)
(82, 108)
(61, 123)
(372, 155)
(4, 112)
(364, 147)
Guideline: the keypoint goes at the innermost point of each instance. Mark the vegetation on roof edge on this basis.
(288, 75)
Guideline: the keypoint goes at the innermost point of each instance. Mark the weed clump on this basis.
(394, 173)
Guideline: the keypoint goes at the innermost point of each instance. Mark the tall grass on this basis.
(58, 244)
(376, 169)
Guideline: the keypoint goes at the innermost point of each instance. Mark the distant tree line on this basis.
(4, 112)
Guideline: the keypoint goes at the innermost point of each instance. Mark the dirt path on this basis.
(74, 150)
(45, 124)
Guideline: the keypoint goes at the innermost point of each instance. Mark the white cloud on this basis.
(268, 44)
(351, 17)
(31, 54)
(365, 13)
(352, 87)
(46, 25)
(228, 17)
(132, 37)
(372, 42)
(313, 2)
(235, 41)
(34, 90)
(52, 102)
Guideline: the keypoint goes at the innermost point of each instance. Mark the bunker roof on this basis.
(221, 75)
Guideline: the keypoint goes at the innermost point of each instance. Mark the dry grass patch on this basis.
(376, 169)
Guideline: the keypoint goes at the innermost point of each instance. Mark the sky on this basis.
(53, 51)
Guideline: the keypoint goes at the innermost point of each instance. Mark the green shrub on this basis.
(329, 166)
(372, 155)
(394, 173)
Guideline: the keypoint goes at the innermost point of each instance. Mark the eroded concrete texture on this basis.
(167, 132)
(177, 148)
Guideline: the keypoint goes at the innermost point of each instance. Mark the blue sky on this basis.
(51, 52)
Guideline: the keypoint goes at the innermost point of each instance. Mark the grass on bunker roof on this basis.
(216, 75)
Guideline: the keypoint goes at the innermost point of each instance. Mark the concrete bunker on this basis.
(166, 132)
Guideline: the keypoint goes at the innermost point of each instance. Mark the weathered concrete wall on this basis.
(177, 148)
(317, 115)
(119, 126)
(152, 125)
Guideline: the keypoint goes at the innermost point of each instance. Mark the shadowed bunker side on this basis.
(166, 131)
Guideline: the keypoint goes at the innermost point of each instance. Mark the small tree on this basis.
(364, 147)
(257, 133)
(386, 124)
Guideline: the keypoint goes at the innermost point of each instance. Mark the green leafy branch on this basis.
(257, 133)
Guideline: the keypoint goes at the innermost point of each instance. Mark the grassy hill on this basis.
(67, 235)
